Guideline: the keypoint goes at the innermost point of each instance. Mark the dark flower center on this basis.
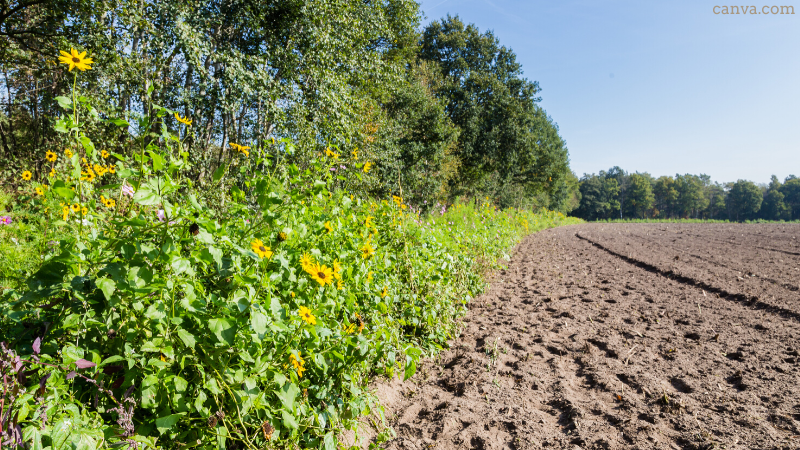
(262, 249)
(321, 275)
(75, 60)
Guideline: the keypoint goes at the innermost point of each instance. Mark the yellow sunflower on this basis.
(87, 175)
(337, 270)
(355, 154)
(68, 153)
(76, 207)
(261, 250)
(328, 226)
(110, 203)
(306, 315)
(84, 211)
(282, 236)
(39, 191)
(65, 212)
(27, 175)
(52, 173)
(306, 262)
(384, 292)
(104, 153)
(184, 120)
(298, 362)
(322, 274)
(331, 153)
(50, 156)
(360, 322)
(368, 221)
(74, 59)
(367, 250)
(367, 166)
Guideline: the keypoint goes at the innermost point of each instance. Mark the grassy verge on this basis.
(169, 322)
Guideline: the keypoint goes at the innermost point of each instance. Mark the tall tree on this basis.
(506, 138)
(715, 194)
(666, 196)
(639, 199)
(744, 200)
(598, 197)
(791, 195)
(773, 206)
(691, 199)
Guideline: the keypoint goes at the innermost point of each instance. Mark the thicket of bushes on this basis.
(139, 309)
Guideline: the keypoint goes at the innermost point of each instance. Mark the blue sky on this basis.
(662, 87)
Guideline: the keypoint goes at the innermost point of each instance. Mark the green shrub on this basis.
(238, 315)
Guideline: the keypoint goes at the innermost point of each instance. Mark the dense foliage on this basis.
(509, 148)
(222, 218)
(142, 310)
(616, 194)
(352, 74)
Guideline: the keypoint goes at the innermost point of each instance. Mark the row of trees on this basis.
(619, 194)
(441, 111)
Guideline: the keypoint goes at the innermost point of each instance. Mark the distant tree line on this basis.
(615, 194)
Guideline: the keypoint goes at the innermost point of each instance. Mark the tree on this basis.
(691, 199)
(715, 194)
(773, 206)
(598, 197)
(242, 70)
(744, 200)
(665, 195)
(639, 197)
(505, 137)
(791, 196)
(414, 147)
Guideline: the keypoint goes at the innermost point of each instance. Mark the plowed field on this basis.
(621, 336)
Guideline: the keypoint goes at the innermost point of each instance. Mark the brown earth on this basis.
(620, 336)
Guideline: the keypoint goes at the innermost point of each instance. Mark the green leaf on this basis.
(108, 286)
(63, 191)
(110, 360)
(411, 369)
(223, 329)
(287, 394)
(119, 122)
(146, 197)
(258, 321)
(64, 102)
(181, 265)
(88, 145)
(158, 160)
(165, 423)
(288, 420)
(200, 400)
(212, 255)
(59, 434)
(329, 441)
(186, 337)
(219, 173)
(32, 436)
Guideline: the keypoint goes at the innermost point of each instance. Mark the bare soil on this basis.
(620, 336)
